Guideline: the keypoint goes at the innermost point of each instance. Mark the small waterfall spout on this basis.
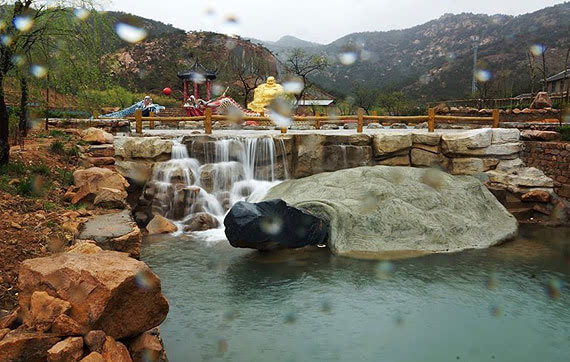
(197, 195)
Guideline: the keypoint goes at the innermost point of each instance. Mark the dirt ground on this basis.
(33, 213)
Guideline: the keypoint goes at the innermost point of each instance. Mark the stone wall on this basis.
(553, 158)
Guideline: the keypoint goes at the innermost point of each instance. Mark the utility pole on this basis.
(475, 39)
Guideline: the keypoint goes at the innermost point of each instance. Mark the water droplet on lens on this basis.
(38, 71)
(23, 23)
(6, 40)
(271, 225)
(130, 30)
(326, 307)
(385, 269)
(217, 89)
(492, 281)
(483, 75)
(18, 60)
(231, 314)
(290, 318)
(347, 58)
(293, 85)
(222, 345)
(495, 311)
(537, 49)
(230, 26)
(81, 13)
(553, 288)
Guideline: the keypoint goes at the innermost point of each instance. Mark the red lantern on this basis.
(167, 91)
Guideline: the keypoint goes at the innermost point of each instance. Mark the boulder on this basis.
(28, 346)
(466, 142)
(89, 183)
(504, 135)
(542, 100)
(400, 210)
(148, 347)
(94, 340)
(94, 357)
(138, 172)
(137, 148)
(115, 351)
(70, 349)
(420, 157)
(273, 225)
(220, 176)
(467, 166)
(536, 196)
(523, 177)
(97, 136)
(392, 142)
(535, 135)
(101, 151)
(310, 154)
(201, 221)
(44, 309)
(160, 225)
(425, 138)
(110, 198)
(101, 161)
(118, 232)
(509, 166)
(107, 291)
(64, 325)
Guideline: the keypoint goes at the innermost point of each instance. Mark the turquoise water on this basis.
(509, 303)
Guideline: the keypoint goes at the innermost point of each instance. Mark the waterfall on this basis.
(233, 170)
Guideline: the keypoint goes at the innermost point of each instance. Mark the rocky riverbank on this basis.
(79, 302)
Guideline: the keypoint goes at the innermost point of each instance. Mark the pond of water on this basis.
(508, 303)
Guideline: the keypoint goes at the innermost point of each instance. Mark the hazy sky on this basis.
(315, 20)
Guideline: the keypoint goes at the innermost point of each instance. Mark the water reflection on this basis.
(510, 303)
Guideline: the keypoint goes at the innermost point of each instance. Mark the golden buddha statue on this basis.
(264, 94)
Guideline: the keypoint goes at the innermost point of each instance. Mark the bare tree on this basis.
(531, 70)
(303, 65)
(544, 69)
(250, 72)
(365, 98)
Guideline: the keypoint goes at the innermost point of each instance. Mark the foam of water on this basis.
(238, 169)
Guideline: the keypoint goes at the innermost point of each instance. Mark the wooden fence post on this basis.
(360, 125)
(138, 120)
(374, 113)
(496, 118)
(95, 115)
(317, 121)
(151, 123)
(208, 120)
(431, 119)
(283, 129)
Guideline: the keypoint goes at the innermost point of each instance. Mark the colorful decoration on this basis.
(167, 91)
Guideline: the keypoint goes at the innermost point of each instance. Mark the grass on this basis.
(66, 177)
(57, 147)
(77, 207)
(564, 132)
(49, 206)
(40, 169)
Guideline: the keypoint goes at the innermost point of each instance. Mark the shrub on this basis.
(14, 168)
(57, 148)
(49, 206)
(25, 187)
(40, 169)
(66, 177)
(73, 151)
(564, 132)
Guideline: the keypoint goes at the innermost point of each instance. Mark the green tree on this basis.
(25, 24)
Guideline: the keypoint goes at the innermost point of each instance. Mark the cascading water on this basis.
(196, 196)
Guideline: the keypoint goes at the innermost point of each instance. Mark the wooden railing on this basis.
(360, 118)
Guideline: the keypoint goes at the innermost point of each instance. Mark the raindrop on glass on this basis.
(6, 40)
(38, 71)
(483, 75)
(553, 288)
(18, 60)
(81, 13)
(230, 25)
(271, 225)
(491, 282)
(495, 311)
(385, 269)
(23, 23)
(217, 89)
(293, 85)
(537, 49)
(347, 58)
(290, 318)
(129, 31)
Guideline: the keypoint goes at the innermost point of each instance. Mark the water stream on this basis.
(232, 170)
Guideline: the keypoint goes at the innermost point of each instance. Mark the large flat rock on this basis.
(375, 211)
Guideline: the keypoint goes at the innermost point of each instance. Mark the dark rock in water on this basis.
(273, 225)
